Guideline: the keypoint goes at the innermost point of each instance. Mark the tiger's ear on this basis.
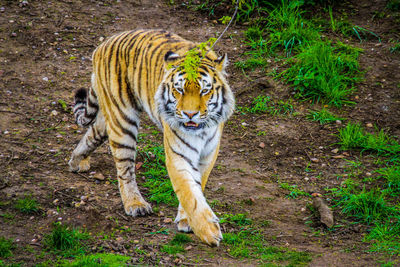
(221, 63)
(170, 58)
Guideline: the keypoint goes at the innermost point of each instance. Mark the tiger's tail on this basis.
(85, 107)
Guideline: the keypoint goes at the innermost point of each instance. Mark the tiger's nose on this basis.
(190, 114)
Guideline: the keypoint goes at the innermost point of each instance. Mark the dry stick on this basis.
(226, 28)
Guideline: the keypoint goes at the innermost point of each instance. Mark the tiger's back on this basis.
(139, 70)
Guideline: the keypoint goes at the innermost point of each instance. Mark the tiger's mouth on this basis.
(192, 125)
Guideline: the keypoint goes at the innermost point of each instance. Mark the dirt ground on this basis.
(45, 50)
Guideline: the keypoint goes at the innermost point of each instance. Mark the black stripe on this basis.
(125, 131)
(121, 146)
(182, 156)
(184, 142)
(212, 137)
(124, 159)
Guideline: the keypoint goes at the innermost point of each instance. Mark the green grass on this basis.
(176, 244)
(250, 243)
(264, 104)
(245, 241)
(367, 206)
(353, 135)
(323, 116)
(27, 205)
(323, 73)
(288, 30)
(294, 191)
(236, 219)
(155, 172)
(6, 247)
(97, 260)
(391, 175)
(65, 240)
(395, 48)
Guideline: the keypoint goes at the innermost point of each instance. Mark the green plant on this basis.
(27, 205)
(391, 174)
(236, 219)
(395, 48)
(97, 260)
(65, 240)
(193, 57)
(294, 190)
(393, 5)
(176, 244)
(354, 136)
(6, 246)
(250, 243)
(323, 116)
(322, 73)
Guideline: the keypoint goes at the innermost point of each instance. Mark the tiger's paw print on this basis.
(183, 226)
(136, 208)
(82, 166)
(205, 225)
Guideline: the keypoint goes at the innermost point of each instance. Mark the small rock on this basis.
(31, 218)
(316, 195)
(368, 174)
(13, 34)
(306, 178)
(338, 122)
(338, 157)
(346, 154)
(167, 220)
(161, 214)
(369, 125)
(315, 160)
(180, 256)
(336, 150)
(244, 124)
(262, 145)
(303, 209)
(136, 241)
(119, 239)
(46, 79)
(99, 176)
(188, 248)
(54, 113)
(101, 39)
(139, 165)
(55, 201)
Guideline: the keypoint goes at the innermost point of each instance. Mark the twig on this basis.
(9, 111)
(122, 216)
(226, 28)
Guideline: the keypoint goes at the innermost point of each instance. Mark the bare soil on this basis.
(45, 51)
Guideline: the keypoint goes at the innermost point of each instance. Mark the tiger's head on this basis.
(192, 105)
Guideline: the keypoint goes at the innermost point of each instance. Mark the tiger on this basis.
(137, 71)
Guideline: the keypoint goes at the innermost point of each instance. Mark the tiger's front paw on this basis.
(137, 208)
(205, 225)
(79, 166)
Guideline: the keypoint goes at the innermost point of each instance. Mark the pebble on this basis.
(99, 176)
(46, 79)
(101, 39)
(369, 125)
(315, 160)
(338, 122)
(167, 220)
(262, 145)
(336, 150)
(119, 239)
(136, 241)
(2, 9)
(368, 174)
(54, 113)
(188, 248)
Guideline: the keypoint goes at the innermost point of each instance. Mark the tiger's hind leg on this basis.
(93, 138)
(123, 146)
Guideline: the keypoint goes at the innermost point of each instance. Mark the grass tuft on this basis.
(323, 116)
(66, 240)
(27, 205)
(98, 260)
(6, 247)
